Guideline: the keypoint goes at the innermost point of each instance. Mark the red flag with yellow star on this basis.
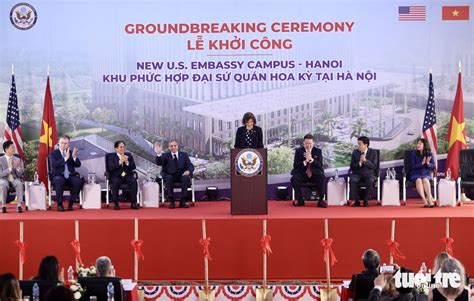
(48, 135)
(456, 132)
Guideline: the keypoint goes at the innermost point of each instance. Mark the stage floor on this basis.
(171, 239)
(221, 210)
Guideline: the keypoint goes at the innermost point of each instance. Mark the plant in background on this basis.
(359, 128)
(76, 288)
(83, 271)
(280, 160)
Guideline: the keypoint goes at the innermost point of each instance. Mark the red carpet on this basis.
(172, 251)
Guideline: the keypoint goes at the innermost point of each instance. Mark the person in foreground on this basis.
(63, 162)
(385, 289)
(422, 165)
(365, 279)
(60, 293)
(49, 270)
(9, 288)
(459, 293)
(98, 286)
(121, 169)
(249, 135)
(176, 168)
(363, 166)
(104, 268)
(308, 167)
(11, 172)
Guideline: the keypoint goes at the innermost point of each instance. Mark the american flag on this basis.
(412, 13)
(429, 124)
(12, 126)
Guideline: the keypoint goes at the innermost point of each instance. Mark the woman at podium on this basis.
(249, 135)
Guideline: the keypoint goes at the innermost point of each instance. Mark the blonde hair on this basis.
(439, 260)
(389, 287)
(9, 287)
(452, 265)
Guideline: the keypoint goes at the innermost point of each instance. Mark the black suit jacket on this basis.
(316, 165)
(169, 167)
(369, 167)
(257, 138)
(362, 284)
(115, 169)
(57, 163)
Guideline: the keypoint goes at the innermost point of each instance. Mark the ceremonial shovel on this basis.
(328, 293)
(207, 294)
(264, 294)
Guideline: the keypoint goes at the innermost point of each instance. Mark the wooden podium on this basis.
(248, 181)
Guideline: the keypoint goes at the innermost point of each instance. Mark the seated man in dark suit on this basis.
(362, 283)
(363, 165)
(383, 288)
(176, 168)
(308, 167)
(97, 286)
(63, 162)
(121, 169)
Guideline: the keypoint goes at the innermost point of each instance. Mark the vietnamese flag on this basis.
(455, 13)
(48, 135)
(456, 132)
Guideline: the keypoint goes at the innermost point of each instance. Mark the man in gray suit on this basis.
(11, 171)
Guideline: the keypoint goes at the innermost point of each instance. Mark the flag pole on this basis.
(48, 70)
(459, 66)
(13, 70)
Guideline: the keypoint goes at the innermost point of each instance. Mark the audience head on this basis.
(119, 147)
(9, 147)
(48, 269)
(371, 260)
(422, 146)
(249, 120)
(173, 145)
(452, 265)
(9, 288)
(405, 290)
(363, 143)
(308, 141)
(64, 142)
(102, 265)
(59, 293)
(389, 287)
(438, 260)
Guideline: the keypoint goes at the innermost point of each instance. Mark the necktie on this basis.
(309, 171)
(175, 159)
(10, 165)
(66, 169)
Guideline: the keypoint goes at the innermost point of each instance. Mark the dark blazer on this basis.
(377, 295)
(417, 169)
(57, 163)
(362, 284)
(316, 165)
(169, 167)
(257, 138)
(97, 286)
(368, 168)
(115, 169)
